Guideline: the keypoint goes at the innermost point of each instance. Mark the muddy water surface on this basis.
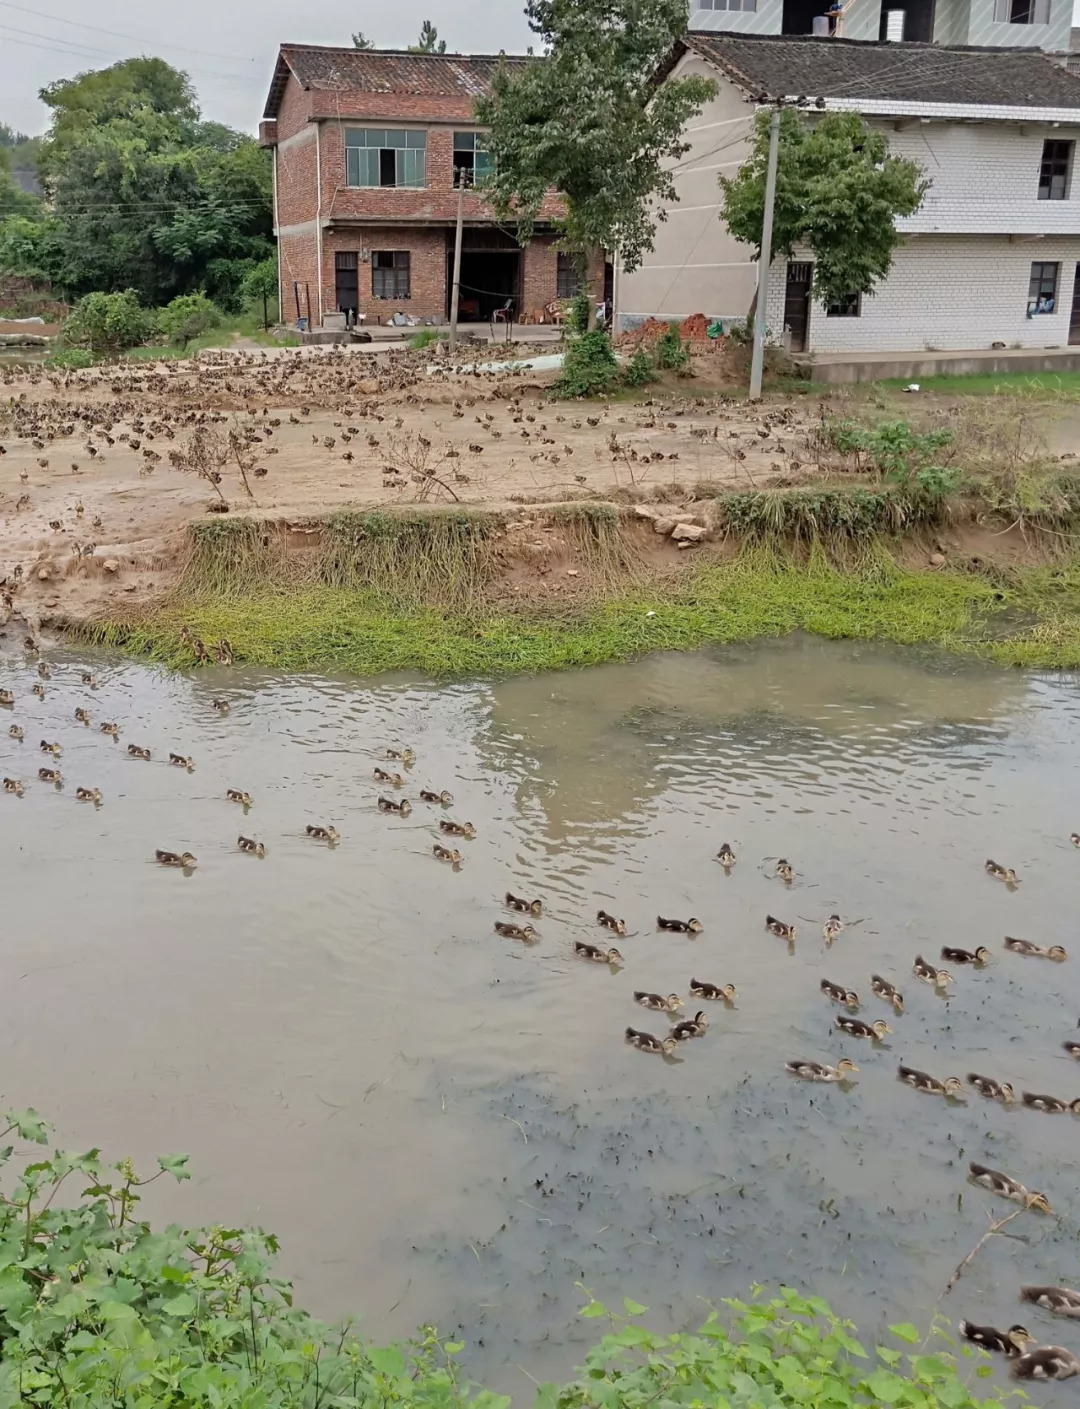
(443, 1125)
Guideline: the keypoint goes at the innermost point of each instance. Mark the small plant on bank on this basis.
(70, 359)
(186, 318)
(590, 367)
(897, 452)
(108, 324)
(424, 338)
(641, 369)
(577, 315)
(672, 353)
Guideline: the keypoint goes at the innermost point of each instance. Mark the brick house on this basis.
(369, 147)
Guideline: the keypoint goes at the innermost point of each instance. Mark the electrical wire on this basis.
(118, 34)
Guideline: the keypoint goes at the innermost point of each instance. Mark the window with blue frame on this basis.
(473, 163)
(376, 156)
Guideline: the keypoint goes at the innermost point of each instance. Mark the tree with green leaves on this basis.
(839, 193)
(13, 199)
(589, 121)
(10, 138)
(429, 41)
(361, 41)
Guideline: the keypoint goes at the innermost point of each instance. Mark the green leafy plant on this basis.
(107, 324)
(672, 353)
(186, 318)
(589, 366)
(70, 359)
(896, 452)
(640, 370)
(424, 338)
(577, 315)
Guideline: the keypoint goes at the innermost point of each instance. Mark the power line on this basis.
(118, 34)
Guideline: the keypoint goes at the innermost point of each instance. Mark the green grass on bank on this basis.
(1050, 385)
(1035, 621)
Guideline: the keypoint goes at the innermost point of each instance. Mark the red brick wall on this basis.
(299, 264)
(294, 110)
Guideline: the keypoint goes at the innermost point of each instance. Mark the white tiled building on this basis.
(992, 256)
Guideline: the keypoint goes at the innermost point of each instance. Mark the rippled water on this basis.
(445, 1126)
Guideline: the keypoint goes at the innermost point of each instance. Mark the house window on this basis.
(1042, 287)
(376, 156)
(473, 163)
(567, 277)
(390, 274)
(750, 6)
(850, 306)
(1022, 11)
(1055, 170)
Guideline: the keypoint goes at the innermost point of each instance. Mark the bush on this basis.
(639, 371)
(577, 315)
(187, 317)
(108, 324)
(425, 337)
(70, 359)
(672, 354)
(896, 451)
(589, 367)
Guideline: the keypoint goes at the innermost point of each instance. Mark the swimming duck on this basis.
(89, 795)
(779, 928)
(646, 1042)
(89, 679)
(222, 706)
(113, 729)
(402, 808)
(785, 870)
(1007, 1187)
(1049, 1105)
(609, 922)
(1074, 837)
(679, 926)
(443, 853)
(7, 697)
(82, 716)
(137, 751)
(329, 834)
(884, 989)
(444, 797)
(658, 1003)
(1062, 1301)
(400, 755)
(55, 749)
(1001, 873)
(1035, 951)
(30, 646)
(457, 829)
(16, 732)
(855, 1027)
(381, 776)
(224, 652)
(833, 925)
(522, 932)
(50, 775)
(690, 1027)
(1046, 1362)
(819, 1071)
(1073, 1049)
(1010, 1342)
(44, 670)
(179, 760)
(14, 785)
(176, 858)
(938, 977)
(726, 857)
(921, 1081)
(595, 955)
(202, 655)
(847, 996)
(253, 848)
(978, 956)
(38, 690)
(991, 1089)
(714, 992)
(235, 795)
(527, 907)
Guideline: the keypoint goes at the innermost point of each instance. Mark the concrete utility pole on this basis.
(758, 363)
(455, 292)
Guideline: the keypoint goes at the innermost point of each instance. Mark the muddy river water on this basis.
(443, 1125)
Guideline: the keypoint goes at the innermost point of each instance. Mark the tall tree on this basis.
(588, 120)
(429, 41)
(839, 193)
(361, 41)
(10, 138)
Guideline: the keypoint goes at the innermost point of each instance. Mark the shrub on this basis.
(70, 359)
(577, 315)
(672, 354)
(639, 371)
(187, 317)
(896, 451)
(108, 324)
(425, 337)
(589, 367)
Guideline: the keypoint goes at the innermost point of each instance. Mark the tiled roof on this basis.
(786, 66)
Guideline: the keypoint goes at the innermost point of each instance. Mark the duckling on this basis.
(938, 977)
(785, 870)
(224, 652)
(38, 690)
(1073, 1049)
(253, 848)
(222, 706)
(595, 955)
(1074, 837)
(690, 1027)
(1007, 1187)
(1049, 1105)
(55, 749)
(714, 992)
(819, 1071)
(527, 907)
(137, 751)
(978, 957)
(778, 928)
(1036, 951)
(1010, 1342)
(400, 755)
(847, 996)
(16, 732)
(609, 922)
(44, 669)
(176, 858)
(89, 679)
(884, 989)
(1001, 873)
(89, 795)
(112, 729)
(1046, 1362)
(235, 795)
(690, 926)
(402, 808)
(1062, 1301)
(444, 797)
(50, 775)
(726, 857)
(855, 1027)
(457, 829)
(14, 785)
(381, 776)
(179, 760)
(646, 1042)
(921, 1081)
(7, 697)
(329, 834)
(991, 1089)
(443, 853)
(833, 925)
(82, 716)
(526, 933)
(658, 1003)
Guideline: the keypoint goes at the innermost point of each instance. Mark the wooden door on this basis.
(797, 303)
(1074, 319)
(347, 281)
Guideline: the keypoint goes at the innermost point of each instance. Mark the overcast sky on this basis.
(236, 39)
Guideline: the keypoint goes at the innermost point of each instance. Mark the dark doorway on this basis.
(799, 15)
(346, 274)
(797, 304)
(1074, 319)
(490, 279)
(918, 19)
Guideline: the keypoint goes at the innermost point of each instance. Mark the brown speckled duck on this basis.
(594, 954)
(523, 906)
(884, 989)
(646, 1042)
(1006, 1187)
